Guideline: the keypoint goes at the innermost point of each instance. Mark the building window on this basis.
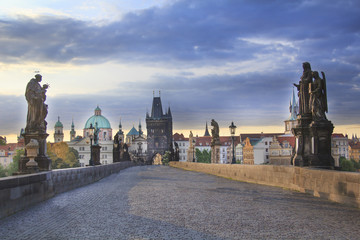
(266, 150)
(266, 143)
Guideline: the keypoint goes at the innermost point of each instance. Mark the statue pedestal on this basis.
(95, 154)
(43, 162)
(303, 141)
(215, 153)
(321, 144)
(116, 153)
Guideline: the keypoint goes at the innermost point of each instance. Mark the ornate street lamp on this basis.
(193, 141)
(91, 135)
(232, 129)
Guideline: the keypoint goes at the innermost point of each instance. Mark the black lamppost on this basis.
(91, 135)
(193, 141)
(232, 128)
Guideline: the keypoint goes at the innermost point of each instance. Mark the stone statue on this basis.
(215, 140)
(172, 152)
(96, 134)
(177, 152)
(303, 89)
(37, 109)
(318, 99)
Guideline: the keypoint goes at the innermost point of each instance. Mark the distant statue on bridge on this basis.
(318, 98)
(215, 139)
(303, 90)
(96, 134)
(37, 109)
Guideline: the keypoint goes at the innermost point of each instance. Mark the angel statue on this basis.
(318, 98)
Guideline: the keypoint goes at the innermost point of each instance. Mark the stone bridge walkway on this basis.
(156, 202)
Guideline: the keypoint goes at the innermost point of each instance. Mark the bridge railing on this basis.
(341, 187)
(19, 192)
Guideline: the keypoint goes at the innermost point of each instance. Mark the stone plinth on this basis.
(215, 154)
(303, 141)
(44, 163)
(116, 153)
(95, 154)
(321, 145)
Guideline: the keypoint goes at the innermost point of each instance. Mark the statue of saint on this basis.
(318, 99)
(37, 109)
(215, 140)
(177, 152)
(96, 134)
(303, 89)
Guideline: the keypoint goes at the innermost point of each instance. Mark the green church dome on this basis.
(58, 123)
(99, 119)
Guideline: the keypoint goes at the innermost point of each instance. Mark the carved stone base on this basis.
(116, 153)
(215, 154)
(44, 163)
(95, 154)
(303, 141)
(321, 144)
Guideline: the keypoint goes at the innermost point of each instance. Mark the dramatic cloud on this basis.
(231, 59)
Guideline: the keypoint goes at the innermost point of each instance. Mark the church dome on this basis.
(58, 123)
(99, 119)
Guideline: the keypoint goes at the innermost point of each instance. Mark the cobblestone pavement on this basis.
(157, 202)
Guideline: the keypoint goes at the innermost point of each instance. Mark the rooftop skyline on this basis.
(223, 60)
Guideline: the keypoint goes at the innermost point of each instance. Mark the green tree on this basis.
(2, 171)
(62, 156)
(203, 156)
(14, 166)
(166, 158)
(346, 165)
(2, 142)
(356, 164)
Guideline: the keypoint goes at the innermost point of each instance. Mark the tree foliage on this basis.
(12, 167)
(2, 142)
(203, 156)
(166, 158)
(62, 156)
(347, 165)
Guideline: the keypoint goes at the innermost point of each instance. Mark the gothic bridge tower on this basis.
(159, 130)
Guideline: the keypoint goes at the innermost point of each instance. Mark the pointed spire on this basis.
(169, 112)
(206, 131)
(140, 131)
(72, 124)
(293, 108)
(120, 126)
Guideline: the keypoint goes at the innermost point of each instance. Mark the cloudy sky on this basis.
(231, 60)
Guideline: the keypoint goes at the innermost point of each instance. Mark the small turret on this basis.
(58, 134)
(72, 132)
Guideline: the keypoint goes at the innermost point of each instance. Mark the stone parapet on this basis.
(341, 187)
(19, 192)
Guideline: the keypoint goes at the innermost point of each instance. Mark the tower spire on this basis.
(206, 131)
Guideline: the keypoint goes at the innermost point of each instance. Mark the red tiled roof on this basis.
(355, 145)
(224, 140)
(290, 139)
(258, 135)
(337, 135)
(203, 141)
(180, 137)
(10, 147)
